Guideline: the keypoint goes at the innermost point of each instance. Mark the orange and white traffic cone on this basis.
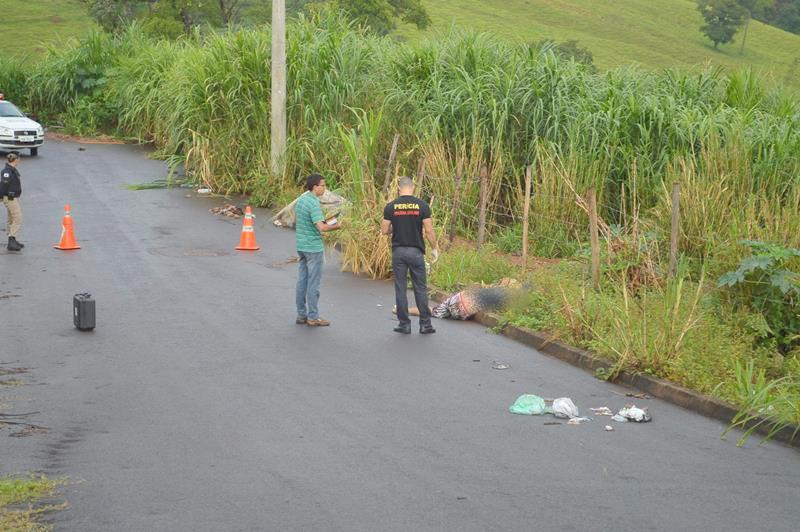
(67, 232)
(248, 240)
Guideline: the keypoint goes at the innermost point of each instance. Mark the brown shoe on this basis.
(318, 323)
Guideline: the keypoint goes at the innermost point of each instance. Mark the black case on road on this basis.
(83, 312)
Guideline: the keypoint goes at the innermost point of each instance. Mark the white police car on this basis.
(17, 130)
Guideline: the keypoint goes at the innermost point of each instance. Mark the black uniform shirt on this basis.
(10, 184)
(406, 214)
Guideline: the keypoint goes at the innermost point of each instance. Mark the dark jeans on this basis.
(405, 259)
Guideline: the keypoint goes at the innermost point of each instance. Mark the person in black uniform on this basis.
(10, 191)
(405, 219)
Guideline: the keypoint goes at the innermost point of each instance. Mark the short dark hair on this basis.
(405, 182)
(313, 180)
(12, 157)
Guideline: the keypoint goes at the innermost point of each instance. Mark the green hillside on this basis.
(649, 33)
(28, 25)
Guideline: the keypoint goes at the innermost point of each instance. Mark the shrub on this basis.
(13, 76)
(765, 283)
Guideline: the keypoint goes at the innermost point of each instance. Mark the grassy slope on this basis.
(650, 33)
(28, 25)
(644, 32)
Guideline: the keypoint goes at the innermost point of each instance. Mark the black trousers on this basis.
(405, 260)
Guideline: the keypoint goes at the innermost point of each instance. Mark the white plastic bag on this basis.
(563, 407)
(633, 413)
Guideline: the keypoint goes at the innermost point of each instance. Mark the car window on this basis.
(9, 109)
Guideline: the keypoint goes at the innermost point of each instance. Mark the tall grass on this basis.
(14, 80)
(465, 100)
(770, 405)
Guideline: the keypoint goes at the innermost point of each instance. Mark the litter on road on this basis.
(533, 405)
(635, 395)
(528, 405)
(500, 365)
(563, 407)
(633, 413)
(609, 428)
(578, 420)
(229, 210)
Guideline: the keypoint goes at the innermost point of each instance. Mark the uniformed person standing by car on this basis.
(10, 191)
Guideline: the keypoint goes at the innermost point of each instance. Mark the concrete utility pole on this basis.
(277, 155)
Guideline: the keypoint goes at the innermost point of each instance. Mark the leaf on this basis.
(785, 281)
(730, 279)
(756, 262)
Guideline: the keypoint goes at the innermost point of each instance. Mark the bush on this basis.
(162, 27)
(766, 283)
(90, 116)
(13, 79)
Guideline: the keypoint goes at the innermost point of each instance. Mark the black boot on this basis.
(13, 245)
(403, 328)
(426, 328)
(20, 244)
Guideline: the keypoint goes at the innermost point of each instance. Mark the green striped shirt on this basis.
(307, 213)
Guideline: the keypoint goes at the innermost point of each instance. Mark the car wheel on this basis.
(34, 152)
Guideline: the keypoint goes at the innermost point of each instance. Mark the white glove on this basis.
(434, 255)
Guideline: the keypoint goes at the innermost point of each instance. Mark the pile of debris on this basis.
(332, 206)
(229, 210)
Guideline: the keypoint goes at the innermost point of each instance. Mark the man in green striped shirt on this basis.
(309, 226)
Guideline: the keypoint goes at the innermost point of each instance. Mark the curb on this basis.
(659, 388)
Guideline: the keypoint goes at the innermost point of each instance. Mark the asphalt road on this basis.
(197, 404)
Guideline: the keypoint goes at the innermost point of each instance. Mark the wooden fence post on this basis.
(525, 215)
(676, 227)
(482, 212)
(420, 174)
(456, 199)
(595, 237)
(390, 165)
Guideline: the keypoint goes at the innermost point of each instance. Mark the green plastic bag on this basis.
(528, 405)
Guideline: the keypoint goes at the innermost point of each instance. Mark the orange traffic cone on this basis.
(67, 232)
(248, 239)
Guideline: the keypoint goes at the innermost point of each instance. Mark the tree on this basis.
(754, 9)
(723, 19)
(784, 14)
(380, 15)
(165, 18)
(112, 15)
(228, 10)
